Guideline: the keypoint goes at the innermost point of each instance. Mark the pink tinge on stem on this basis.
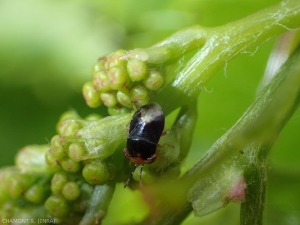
(238, 191)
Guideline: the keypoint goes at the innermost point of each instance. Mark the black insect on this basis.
(146, 127)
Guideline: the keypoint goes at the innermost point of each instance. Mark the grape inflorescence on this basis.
(81, 155)
(120, 83)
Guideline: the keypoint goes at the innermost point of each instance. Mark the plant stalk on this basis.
(254, 133)
(221, 44)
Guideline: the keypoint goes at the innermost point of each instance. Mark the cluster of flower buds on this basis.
(86, 155)
(74, 173)
(69, 193)
(120, 82)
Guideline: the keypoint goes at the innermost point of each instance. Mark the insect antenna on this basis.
(130, 177)
(141, 175)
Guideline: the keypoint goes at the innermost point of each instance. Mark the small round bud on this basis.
(58, 181)
(68, 115)
(35, 193)
(76, 151)
(127, 86)
(117, 77)
(100, 81)
(62, 126)
(16, 188)
(69, 165)
(96, 173)
(68, 128)
(98, 66)
(57, 206)
(139, 95)
(117, 110)
(109, 99)
(71, 191)
(115, 59)
(124, 98)
(137, 69)
(93, 117)
(56, 142)
(91, 95)
(154, 80)
(58, 146)
(58, 153)
(51, 161)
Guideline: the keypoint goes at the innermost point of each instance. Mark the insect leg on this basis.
(130, 177)
(141, 174)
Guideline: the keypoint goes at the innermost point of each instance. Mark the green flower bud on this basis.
(117, 77)
(139, 95)
(100, 81)
(51, 161)
(68, 115)
(98, 65)
(93, 117)
(117, 110)
(68, 128)
(58, 181)
(124, 98)
(96, 173)
(71, 191)
(57, 206)
(36, 193)
(69, 165)
(154, 80)
(15, 188)
(15, 182)
(137, 69)
(148, 176)
(109, 99)
(56, 142)
(76, 152)
(32, 159)
(57, 147)
(115, 59)
(58, 153)
(91, 95)
(127, 86)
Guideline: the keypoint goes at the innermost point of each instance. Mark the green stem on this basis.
(98, 204)
(252, 208)
(254, 134)
(222, 43)
(172, 47)
(256, 175)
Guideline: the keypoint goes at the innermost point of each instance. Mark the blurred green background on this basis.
(47, 49)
